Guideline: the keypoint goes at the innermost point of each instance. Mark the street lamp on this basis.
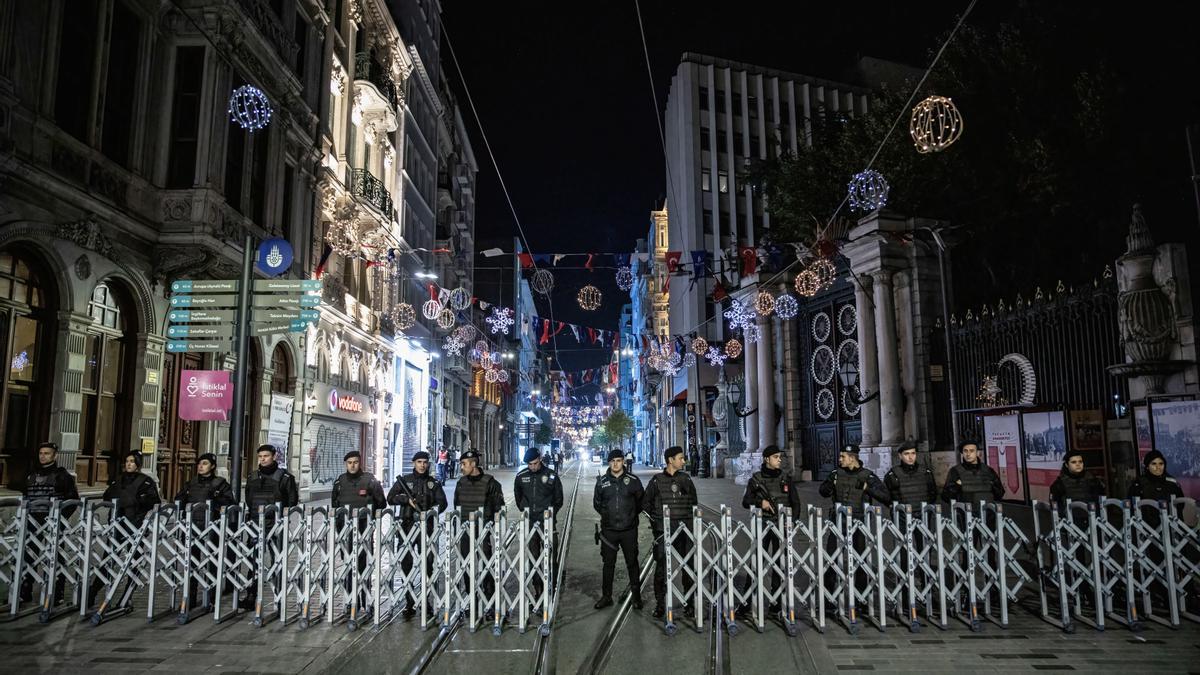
(849, 377)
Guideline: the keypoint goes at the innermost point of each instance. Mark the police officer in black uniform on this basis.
(1074, 483)
(771, 489)
(362, 494)
(971, 480)
(1155, 484)
(135, 492)
(618, 498)
(415, 494)
(205, 486)
(852, 484)
(538, 488)
(477, 490)
(672, 488)
(908, 482)
(269, 484)
(46, 482)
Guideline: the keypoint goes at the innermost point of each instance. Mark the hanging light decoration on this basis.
(751, 334)
(825, 271)
(452, 345)
(375, 244)
(625, 278)
(807, 283)
(543, 282)
(502, 376)
(787, 307)
(464, 333)
(733, 348)
(481, 346)
(740, 315)
(445, 319)
(764, 303)
(491, 375)
(715, 357)
(589, 298)
(868, 191)
(460, 298)
(500, 320)
(689, 360)
(404, 316)
(344, 237)
(249, 108)
(699, 345)
(935, 124)
(431, 309)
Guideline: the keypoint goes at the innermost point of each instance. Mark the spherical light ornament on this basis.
(491, 376)
(625, 278)
(481, 346)
(700, 345)
(733, 348)
(375, 244)
(935, 124)
(543, 282)
(249, 108)
(589, 298)
(868, 191)
(495, 358)
(689, 360)
(764, 303)
(502, 376)
(787, 307)
(445, 319)
(807, 283)
(825, 270)
(344, 237)
(431, 309)
(460, 298)
(464, 333)
(404, 316)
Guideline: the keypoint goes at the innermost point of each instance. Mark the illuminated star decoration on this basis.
(751, 333)
(20, 361)
(736, 314)
(500, 319)
(715, 357)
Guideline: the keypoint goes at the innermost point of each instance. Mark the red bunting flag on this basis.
(719, 293)
(588, 264)
(545, 332)
(749, 259)
(526, 260)
(673, 261)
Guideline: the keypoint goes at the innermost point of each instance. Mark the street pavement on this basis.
(129, 644)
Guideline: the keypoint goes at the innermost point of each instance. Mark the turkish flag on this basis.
(673, 261)
(749, 259)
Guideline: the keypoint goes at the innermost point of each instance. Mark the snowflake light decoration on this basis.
(868, 191)
(249, 108)
(625, 278)
(751, 333)
(733, 348)
(736, 314)
(404, 316)
(787, 307)
(453, 346)
(715, 357)
(500, 320)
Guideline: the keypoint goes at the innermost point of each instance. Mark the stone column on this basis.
(908, 352)
(67, 394)
(148, 372)
(891, 401)
(868, 367)
(750, 387)
(766, 384)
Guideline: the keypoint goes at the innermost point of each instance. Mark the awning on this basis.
(679, 399)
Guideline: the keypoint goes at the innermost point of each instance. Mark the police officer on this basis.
(537, 488)
(1075, 484)
(908, 482)
(415, 494)
(771, 489)
(205, 486)
(618, 498)
(362, 494)
(971, 480)
(477, 490)
(671, 488)
(135, 492)
(1155, 483)
(46, 482)
(269, 484)
(852, 484)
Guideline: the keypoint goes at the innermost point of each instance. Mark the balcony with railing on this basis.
(367, 68)
(364, 184)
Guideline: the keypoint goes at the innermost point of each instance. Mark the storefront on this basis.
(341, 422)
(410, 405)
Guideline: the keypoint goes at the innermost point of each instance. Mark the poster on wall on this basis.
(1141, 426)
(279, 428)
(1177, 437)
(1045, 448)
(1087, 436)
(1002, 435)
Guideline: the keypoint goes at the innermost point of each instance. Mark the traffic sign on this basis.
(201, 331)
(189, 315)
(180, 346)
(286, 301)
(204, 286)
(277, 315)
(204, 300)
(289, 285)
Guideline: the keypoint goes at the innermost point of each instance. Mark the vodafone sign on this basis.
(341, 404)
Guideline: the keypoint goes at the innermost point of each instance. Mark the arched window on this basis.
(106, 414)
(282, 380)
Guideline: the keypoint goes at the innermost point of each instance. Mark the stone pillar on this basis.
(750, 387)
(908, 352)
(766, 384)
(791, 373)
(891, 402)
(868, 367)
(67, 395)
(148, 372)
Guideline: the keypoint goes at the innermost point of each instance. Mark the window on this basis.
(301, 37)
(704, 98)
(720, 101)
(706, 180)
(738, 140)
(185, 117)
(708, 221)
(752, 102)
(705, 144)
(723, 182)
(120, 93)
(235, 157)
(107, 411)
(25, 333)
(722, 140)
(76, 69)
(285, 217)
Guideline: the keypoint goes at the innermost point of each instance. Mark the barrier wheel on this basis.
(976, 627)
(1136, 626)
(257, 622)
(792, 629)
(914, 627)
(670, 628)
(544, 630)
(96, 619)
(853, 628)
(44, 616)
(732, 628)
(351, 624)
(303, 622)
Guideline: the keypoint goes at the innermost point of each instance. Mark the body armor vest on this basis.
(537, 489)
(200, 490)
(849, 492)
(127, 498)
(776, 488)
(41, 489)
(1078, 488)
(914, 486)
(671, 492)
(472, 495)
(354, 492)
(422, 487)
(976, 485)
(1158, 488)
(264, 490)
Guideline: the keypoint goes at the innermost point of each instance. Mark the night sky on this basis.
(564, 98)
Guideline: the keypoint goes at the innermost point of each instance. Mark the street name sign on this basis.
(286, 301)
(204, 286)
(202, 315)
(181, 346)
(201, 331)
(286, 285)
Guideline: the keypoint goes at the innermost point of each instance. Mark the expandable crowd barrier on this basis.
(933, 563)
(301, 564)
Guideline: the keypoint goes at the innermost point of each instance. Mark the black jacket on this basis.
(286, 493)
(618, 499)
(892, 480)
(774, 485)
(135, 494)
(859, 481)
(952, 490)
(1080, 487)
(49, 482)
(211, 488)
(537, 491)
(1162, 488)
(426, 491)
(676, 491)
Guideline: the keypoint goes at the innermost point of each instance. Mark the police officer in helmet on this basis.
(478, 490)
(771, 489)
(362, 495)
(908, 482)
(618, 498)
(46, 482)
(672, 488)
(538, 489)
(971, 480)
(416, 494)
(269, 484)
(852, 484)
